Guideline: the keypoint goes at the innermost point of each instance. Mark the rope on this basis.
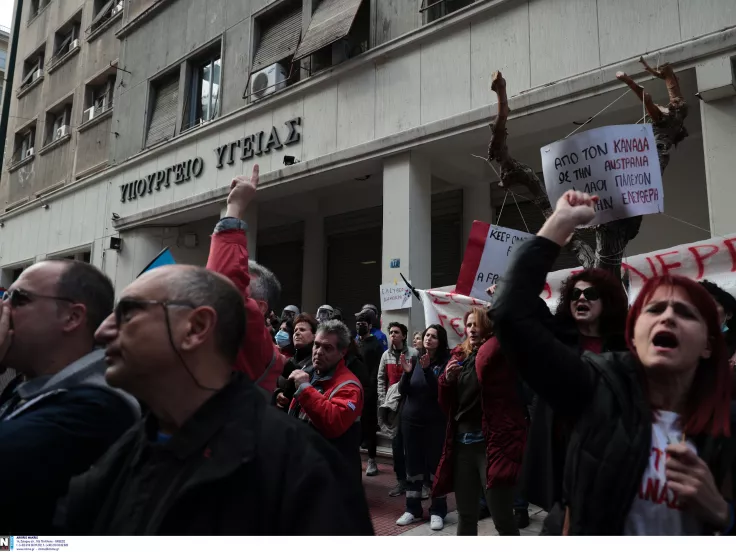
(520, 213)
(597, 114)
(502, 206)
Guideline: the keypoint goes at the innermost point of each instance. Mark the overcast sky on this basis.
(6, 12)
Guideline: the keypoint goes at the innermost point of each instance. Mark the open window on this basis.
(202, 100)
(98, 95)
(33, 68)
(435, 9)
(276, 38)
(66, 39)
(58, 122)
(338, 30)
(164, 99)
(103, 11)
(25, 144)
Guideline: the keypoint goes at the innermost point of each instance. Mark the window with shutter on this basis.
(279, 36)
(163, 118)
(330, 22)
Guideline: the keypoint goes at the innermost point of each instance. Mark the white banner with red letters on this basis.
(713, 259)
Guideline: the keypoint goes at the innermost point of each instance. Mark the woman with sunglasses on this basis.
(590, 316)
(650, 452)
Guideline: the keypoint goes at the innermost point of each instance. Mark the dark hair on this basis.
(443, 347)
(202, 287)
(86, 284)
(721, 296)
(404, 329)
(613, 297)
(289, 326)
(264, 286)
(308, 319)
(708, 404)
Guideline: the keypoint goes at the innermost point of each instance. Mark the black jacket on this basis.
(371, 350)
(301, 360)
(611, 441)
(236, 467)
(51, 429)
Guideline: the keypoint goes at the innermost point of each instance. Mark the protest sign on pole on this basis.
(395, 297)
(617, 163)
(486, 258)
(162, 259)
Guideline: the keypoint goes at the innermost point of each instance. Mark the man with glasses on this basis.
(211, 457)
(63, 416)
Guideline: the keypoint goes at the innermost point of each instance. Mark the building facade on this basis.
(367, 118)
(4, 43)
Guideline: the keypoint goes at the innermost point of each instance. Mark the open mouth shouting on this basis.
(664, 341)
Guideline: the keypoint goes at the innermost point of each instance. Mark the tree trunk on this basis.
(613, 237)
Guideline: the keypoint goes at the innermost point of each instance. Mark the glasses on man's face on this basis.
(590, 293)
(126, 308)
(20, 297)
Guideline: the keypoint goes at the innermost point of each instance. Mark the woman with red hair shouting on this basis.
(650, 453)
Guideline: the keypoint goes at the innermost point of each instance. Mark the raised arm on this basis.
(553, 370)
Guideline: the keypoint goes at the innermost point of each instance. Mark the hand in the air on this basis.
(572, 210)
(242, 192)
(405, 364)
(424, 360)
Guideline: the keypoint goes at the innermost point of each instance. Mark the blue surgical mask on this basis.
(282, 339)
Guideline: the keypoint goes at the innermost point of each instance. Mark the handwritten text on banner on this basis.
(617, 163)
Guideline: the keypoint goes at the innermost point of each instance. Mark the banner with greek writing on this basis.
(713, 260)
(486, 258)
(617, 163)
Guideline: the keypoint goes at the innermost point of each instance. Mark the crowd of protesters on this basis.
(189, 407)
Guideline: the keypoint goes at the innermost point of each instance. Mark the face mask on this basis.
(282, 339)
(724, 328)
(362, 330)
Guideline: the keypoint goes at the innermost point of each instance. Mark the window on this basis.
(104, 10)
(165, 95)
(434, 9)
(66, 39)
(339, 30)
(277, 34)
(99, 94)
(25, 141)
(33, 68)
(3, 58)
(36, 7)
(57, 123)
(203, 94)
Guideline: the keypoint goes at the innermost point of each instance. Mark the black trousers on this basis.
(423, 445)
(397, 450)
(369, 422)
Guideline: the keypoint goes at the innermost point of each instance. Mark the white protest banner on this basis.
(448, 309)
(713, 260)
(617, 163)
(486, 258)
(395, 297)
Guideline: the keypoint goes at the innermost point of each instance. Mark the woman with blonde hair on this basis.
(486, 428)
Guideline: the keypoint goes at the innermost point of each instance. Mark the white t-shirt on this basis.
(656, 509)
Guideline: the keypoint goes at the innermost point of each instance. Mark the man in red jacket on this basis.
(328, 395)
(259, 356)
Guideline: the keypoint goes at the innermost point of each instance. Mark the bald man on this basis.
(61, 415)
(211, 457)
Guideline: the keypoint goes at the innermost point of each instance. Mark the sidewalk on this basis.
(385, 510)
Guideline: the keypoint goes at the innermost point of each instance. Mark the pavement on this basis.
(385, 510)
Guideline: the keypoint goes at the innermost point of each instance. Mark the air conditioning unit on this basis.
(88, 114)
(267, 81)
(27, 153)
(61, 132)
(73, 44)
(117, 8)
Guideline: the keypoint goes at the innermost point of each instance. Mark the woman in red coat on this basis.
(486, 429)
